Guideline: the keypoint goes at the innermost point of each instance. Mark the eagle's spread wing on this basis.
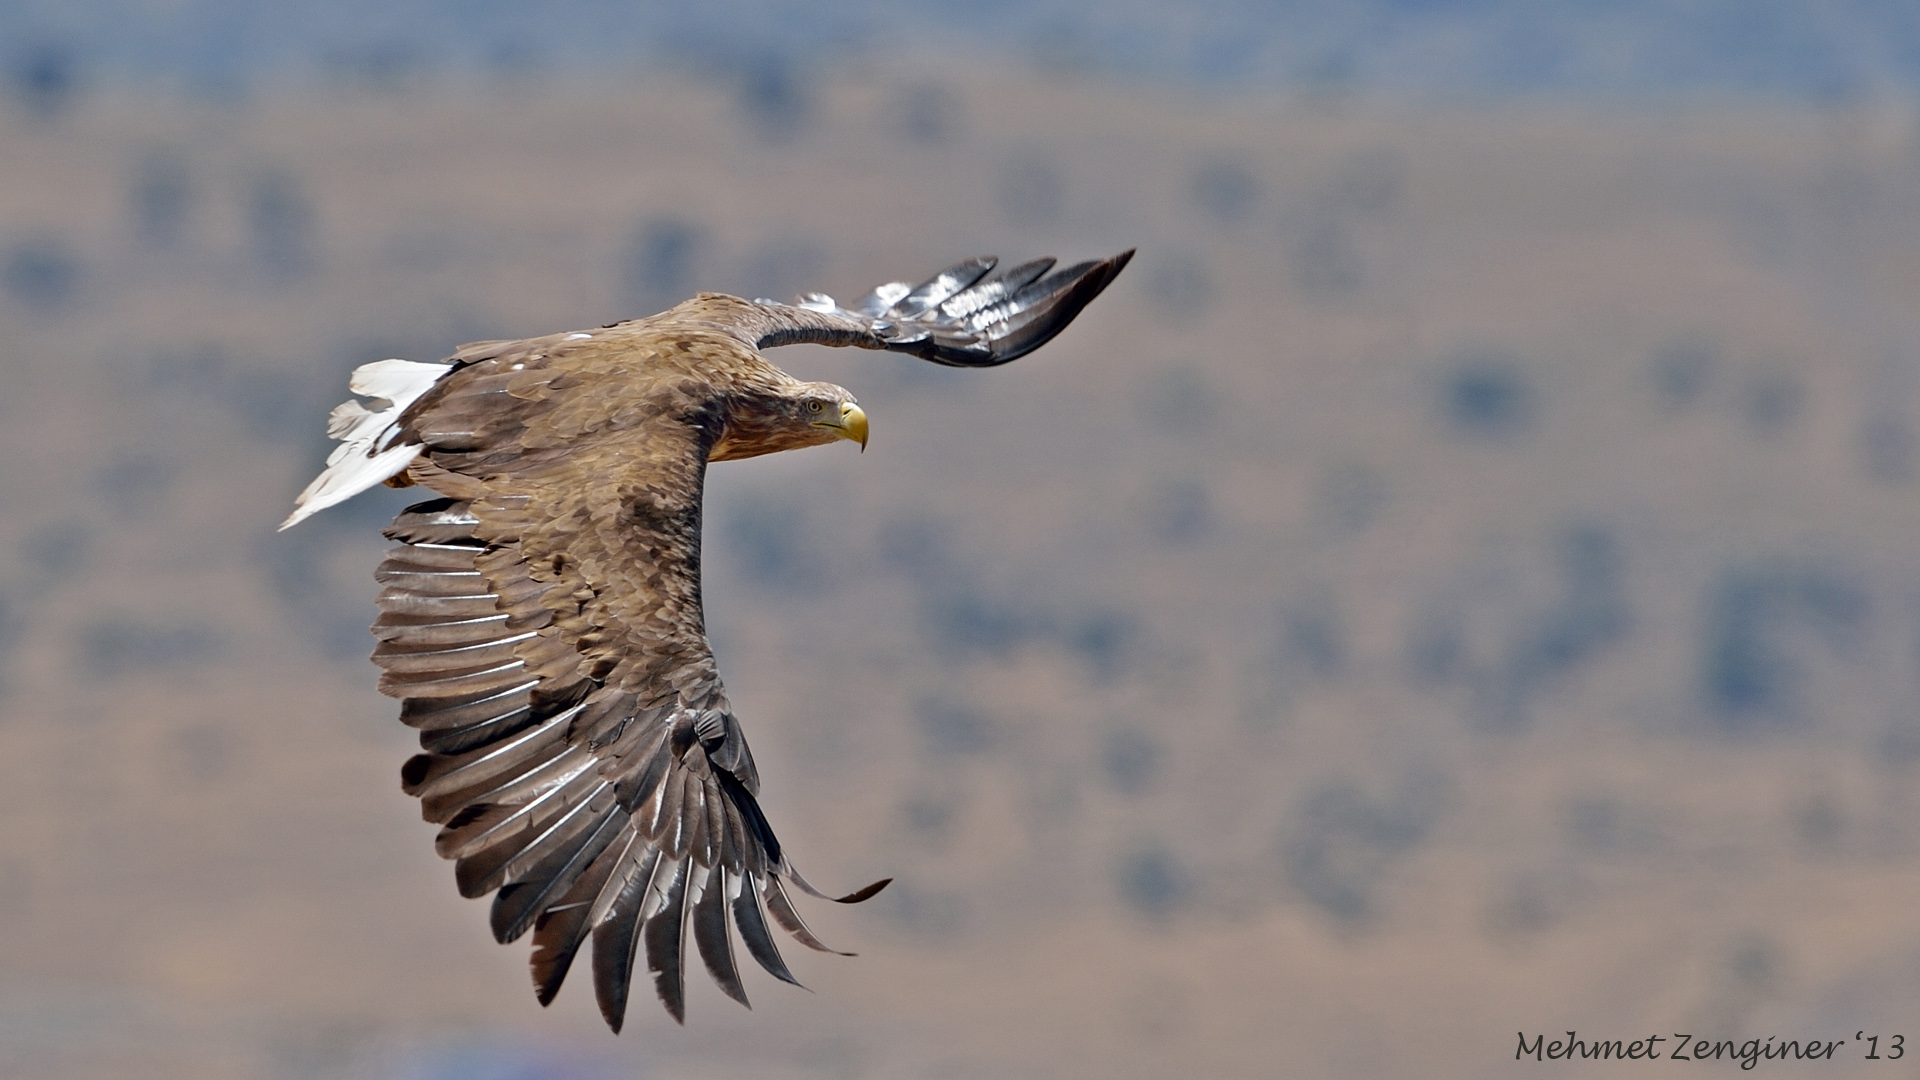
(968, 315)
(544, 630)
(542, 621)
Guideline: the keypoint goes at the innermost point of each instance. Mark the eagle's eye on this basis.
(814, 406)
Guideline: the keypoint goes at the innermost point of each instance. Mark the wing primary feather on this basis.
(1031, 317)
(753, 930)
(558, 931)
(439, 714)
(994, 288)
(557, 935)
(636, 864)
(645, 781)
(937, 289)
(460, 740)
(854, 897)
(663, 802)
(697, 815)
(665, 935)
(412, 630)
(499, 864)
(427, 558)
(517, 905)
(484, 823)
(559, 770)
(437, 521)
(679, 816)
(614, 943)
(443, 774)
(411, 657)
(783, 912)
(711, 937)
(715, 834)
(751, 816)
(961, 317)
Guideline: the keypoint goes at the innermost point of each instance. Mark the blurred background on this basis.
(1464, 578)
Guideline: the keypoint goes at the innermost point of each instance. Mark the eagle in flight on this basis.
(541, 620)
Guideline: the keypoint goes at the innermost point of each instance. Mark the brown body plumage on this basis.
(542, 621)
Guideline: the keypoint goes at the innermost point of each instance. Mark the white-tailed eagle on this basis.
(541, 620)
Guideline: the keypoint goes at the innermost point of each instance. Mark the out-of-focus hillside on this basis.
(1806, 51)
(1463, 578)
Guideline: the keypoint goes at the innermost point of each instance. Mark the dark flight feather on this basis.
(710, 933)
(788, 917)
(614, 941)
(962, 317)
(664, 934)
(753, 930)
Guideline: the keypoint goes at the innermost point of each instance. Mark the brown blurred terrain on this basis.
(1464, 578)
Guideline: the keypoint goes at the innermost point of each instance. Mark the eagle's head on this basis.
(789, 417)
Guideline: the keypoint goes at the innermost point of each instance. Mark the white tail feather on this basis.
(365, 457)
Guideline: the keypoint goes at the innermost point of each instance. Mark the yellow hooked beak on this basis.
(851, 425)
